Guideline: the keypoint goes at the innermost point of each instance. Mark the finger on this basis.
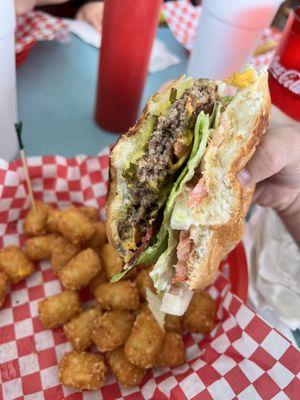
(22, 7)
(268, 159)
(96, 22)
(285, 201)
(79, 16)
(279, 118)
(269, 194)
(274, 152)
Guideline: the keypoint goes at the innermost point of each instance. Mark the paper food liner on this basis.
(242, 358)
(36, 26)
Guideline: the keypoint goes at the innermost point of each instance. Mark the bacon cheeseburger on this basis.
(174, 200)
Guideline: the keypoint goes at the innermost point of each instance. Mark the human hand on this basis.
(24, 6)
(92, 13)
(275, 168)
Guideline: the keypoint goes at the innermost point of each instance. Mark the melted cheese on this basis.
(242, 79)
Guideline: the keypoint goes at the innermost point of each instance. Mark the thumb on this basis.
(269, 194)
(285, 201)
(269, 159)
(277, 152)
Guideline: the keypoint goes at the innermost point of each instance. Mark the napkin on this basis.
(242, 358)
(84, 31)
(161, 58)
(274, 260)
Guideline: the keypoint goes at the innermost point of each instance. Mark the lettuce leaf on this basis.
(214, 119)
(159, 246)
(162, 271)
(201, 135)
(182, 215)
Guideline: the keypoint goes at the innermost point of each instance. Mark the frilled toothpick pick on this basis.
(24, 162)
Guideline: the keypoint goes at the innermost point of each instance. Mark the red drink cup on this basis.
(127, 37)
(284, 77)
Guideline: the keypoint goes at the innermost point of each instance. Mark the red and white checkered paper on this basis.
(242, 358)
(37, 25)
(182, 18)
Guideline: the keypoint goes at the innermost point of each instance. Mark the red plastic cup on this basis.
(284, 76)
(127, 37)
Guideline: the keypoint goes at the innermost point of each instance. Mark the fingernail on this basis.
(243, 176)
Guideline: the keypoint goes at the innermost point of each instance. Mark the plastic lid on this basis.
(7, 17)
(249, 14)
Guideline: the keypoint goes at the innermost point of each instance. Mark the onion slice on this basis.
(176, 300)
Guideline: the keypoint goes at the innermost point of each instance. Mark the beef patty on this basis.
(151, 179)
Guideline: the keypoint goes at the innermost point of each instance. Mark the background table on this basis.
(56, 95)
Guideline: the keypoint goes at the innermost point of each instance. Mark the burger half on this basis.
(174, 199)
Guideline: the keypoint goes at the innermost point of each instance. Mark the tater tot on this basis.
(79, 329)
(3, 287)
(52, 222)
(127, 373)
(143, 280)
(15, 263)
(173, 323)
(35, 220)
(75, 226)
(57, 310)
(80, 270)
(172, 353)
(100, 278)
(99, 237)
(145, 340)
(111, 261)
(84, 371)
(91, 212)
(62, 252)
(121, 295)
(112, 329)
(200, 315)
(40, 247)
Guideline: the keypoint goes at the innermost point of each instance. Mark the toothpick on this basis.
(25, 165)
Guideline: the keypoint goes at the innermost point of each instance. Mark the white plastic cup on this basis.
(227, 34)
(8, 103)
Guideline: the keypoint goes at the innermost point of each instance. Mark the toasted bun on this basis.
(217, 223)
(117, 189)
(220, 216)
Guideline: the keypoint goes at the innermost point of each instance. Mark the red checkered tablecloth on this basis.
(242, 358)
(37, 25)
(182, 18)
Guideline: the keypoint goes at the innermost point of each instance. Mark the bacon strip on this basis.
(198, 193)
(184, 245)
(148, 235)
(183, 251)
(145, 241)
(181, 273)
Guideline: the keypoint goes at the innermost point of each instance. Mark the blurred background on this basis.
(60, 93)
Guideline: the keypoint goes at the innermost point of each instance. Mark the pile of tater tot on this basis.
(120, 326)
